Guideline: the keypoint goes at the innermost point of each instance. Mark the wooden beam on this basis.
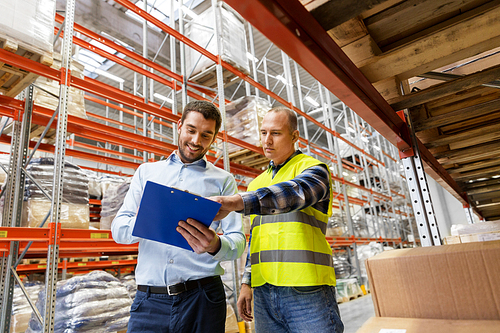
(490, 118)
(457, 116)
(469, 186)
(474, 136)
(484, 151)
(485, 196)
(336, 12)
(446, 88)
(407, 18)
(474, 166)
(438, 49)
(485, 189)
(483, 173)
(496, 200)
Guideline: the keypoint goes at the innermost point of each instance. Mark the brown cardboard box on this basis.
(480, 237)
(412, 325)
(452, 240)
(458, 281)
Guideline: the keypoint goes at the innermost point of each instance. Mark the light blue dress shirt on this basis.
(160, 264)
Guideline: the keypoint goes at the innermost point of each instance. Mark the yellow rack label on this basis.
(115, 262)
(99, 235)
(3, 233)
(42, 266)
(82, 264)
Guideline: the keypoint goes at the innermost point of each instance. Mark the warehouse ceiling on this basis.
(445, 56)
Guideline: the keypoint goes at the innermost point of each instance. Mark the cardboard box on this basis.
(412, 325)
(459, 281)
(452, 240)
(480, 237)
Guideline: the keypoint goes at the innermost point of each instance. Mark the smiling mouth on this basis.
(193, 149)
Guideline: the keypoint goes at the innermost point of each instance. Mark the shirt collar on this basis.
(276, 168)
(174, 157)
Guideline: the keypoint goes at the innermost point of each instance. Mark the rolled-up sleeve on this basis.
(233, 237)
(123, 224)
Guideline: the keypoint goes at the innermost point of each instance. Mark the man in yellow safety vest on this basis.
(289, 204)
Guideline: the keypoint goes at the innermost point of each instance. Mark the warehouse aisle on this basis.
(354, 313)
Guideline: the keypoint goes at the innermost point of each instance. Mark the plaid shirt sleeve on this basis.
(309, 188)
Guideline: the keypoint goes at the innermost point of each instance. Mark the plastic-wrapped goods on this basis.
(243, 119)
(107, 181)
(368, 251)
(337, 225)
(30, 23)
(21, 310)
(342, 266)
(76, 100)
(360, 227)
(75, 203)
(348, 289)
(95, 191)
(233, 41)
(231, 321)
(130, 284)
(5, 160)
(95, 302)
(112, 201)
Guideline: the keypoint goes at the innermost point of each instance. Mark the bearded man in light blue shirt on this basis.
(180, 290)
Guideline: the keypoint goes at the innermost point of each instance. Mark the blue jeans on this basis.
(296, 309)
(199, 310)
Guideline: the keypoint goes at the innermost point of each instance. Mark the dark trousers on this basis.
(198, 310)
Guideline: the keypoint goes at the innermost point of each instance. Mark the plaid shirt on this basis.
(310, 188)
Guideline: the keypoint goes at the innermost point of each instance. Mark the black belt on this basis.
(178, 288)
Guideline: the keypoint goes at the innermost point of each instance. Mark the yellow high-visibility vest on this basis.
(290, 249)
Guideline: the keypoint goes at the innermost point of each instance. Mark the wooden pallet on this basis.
(208, 77)
(35, 132)
(13, 80)
(249, 158)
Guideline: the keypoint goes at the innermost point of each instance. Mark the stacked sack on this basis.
(130, 284)
(243, 119)
(95, 302)
(112, 200)
(75, 203)
(21, 309)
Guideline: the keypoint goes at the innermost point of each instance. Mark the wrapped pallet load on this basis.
(76, 101)
(233, 42)
(27, 29)
(94, 302)
(21, 309)
(243, 119)
(75, 202)
(112, 200)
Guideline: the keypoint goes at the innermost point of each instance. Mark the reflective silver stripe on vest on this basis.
(299, 256)
(290, 217)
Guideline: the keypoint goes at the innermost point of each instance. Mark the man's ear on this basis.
(179, 125)
(295, 136)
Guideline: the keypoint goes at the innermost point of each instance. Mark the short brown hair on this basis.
(292, 116)
(207, 109)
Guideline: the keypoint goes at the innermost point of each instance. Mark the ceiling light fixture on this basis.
(163, 98)
(109, 76)
(312, 101)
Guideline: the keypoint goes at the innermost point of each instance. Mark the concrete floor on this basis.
(356, 312)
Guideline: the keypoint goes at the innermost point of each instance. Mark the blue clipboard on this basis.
(161, 209)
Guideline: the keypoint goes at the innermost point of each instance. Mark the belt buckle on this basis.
(176, 293)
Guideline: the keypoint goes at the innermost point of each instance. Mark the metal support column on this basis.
(13, 204)
(419, 194)
(57, 184)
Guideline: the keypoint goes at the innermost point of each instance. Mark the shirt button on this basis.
(180, 179)
(171, 261)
